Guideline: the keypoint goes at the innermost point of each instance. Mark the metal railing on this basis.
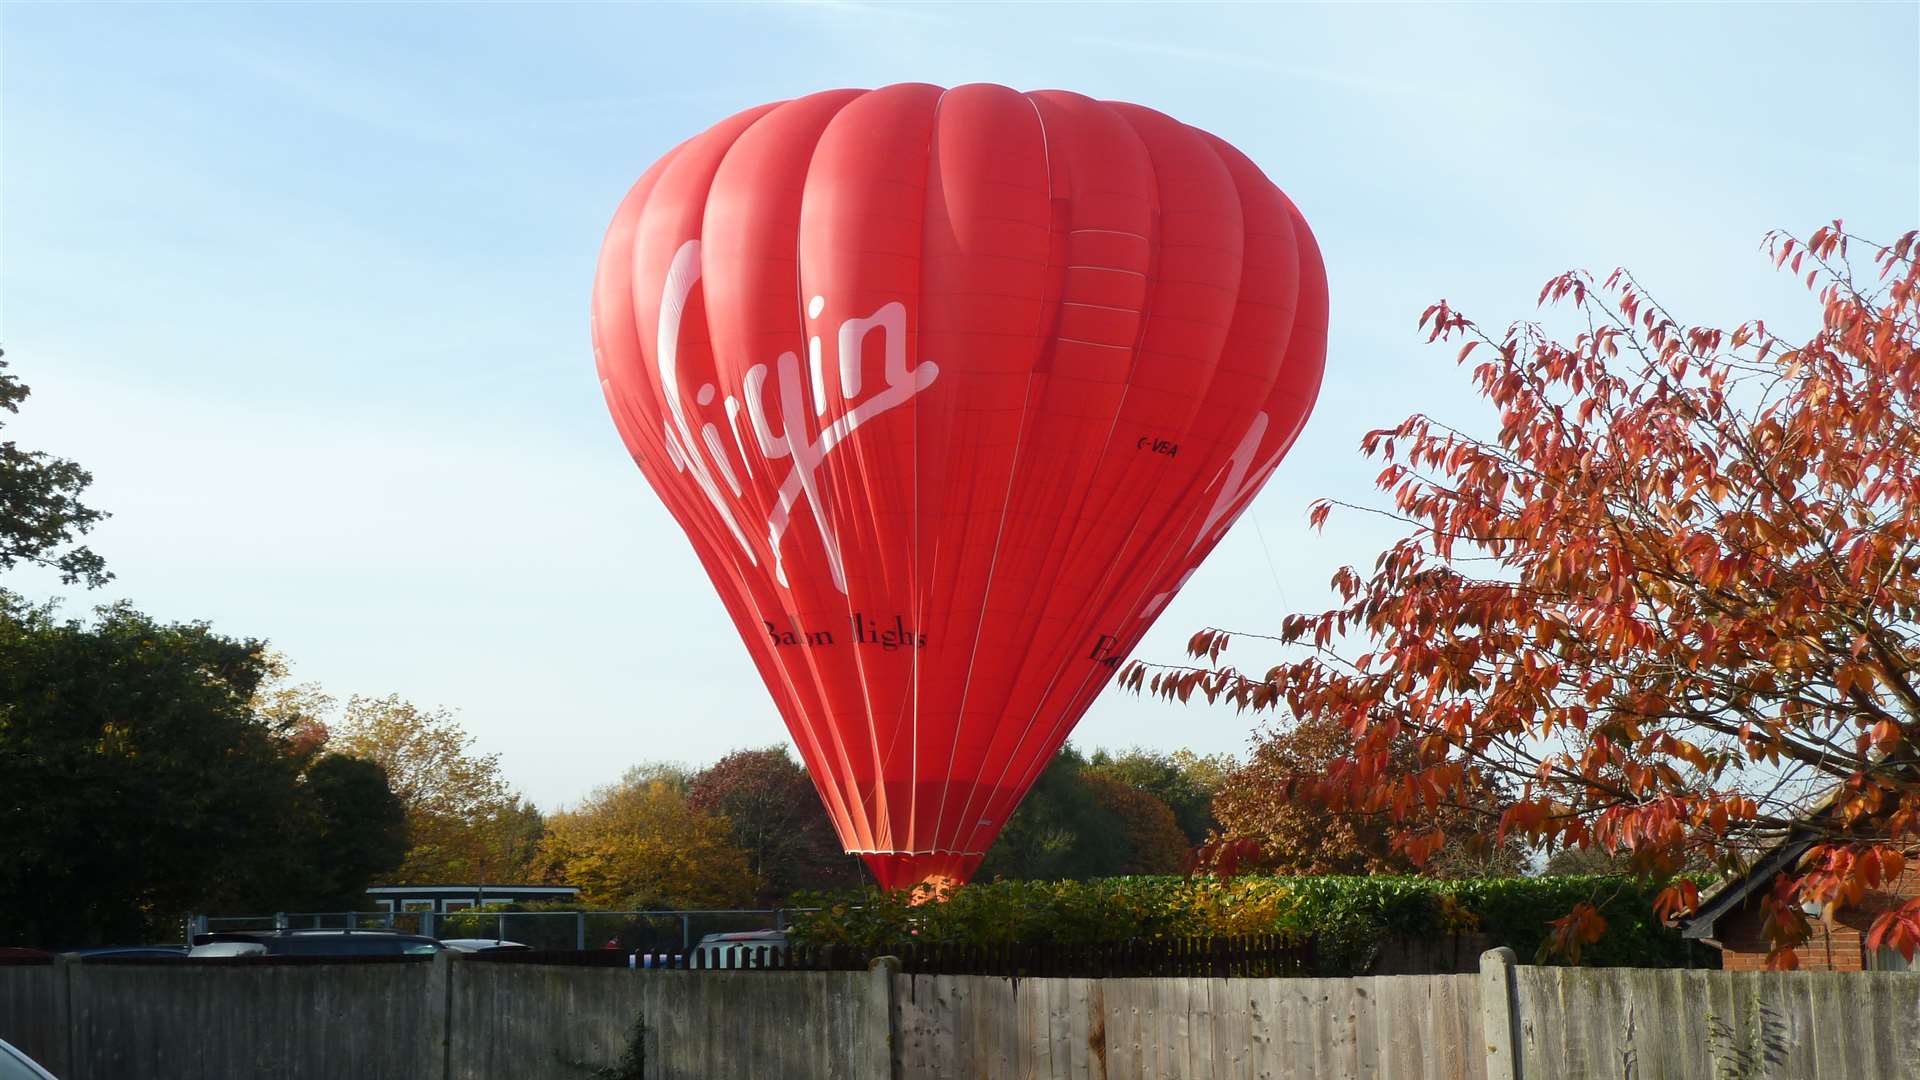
(627, 930)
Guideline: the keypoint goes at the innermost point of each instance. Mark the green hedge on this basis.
(1347, 917)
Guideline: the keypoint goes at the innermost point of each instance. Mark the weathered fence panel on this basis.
(474, 1019)
(526, 1020)
(290, 1021)
(1401, 1027)
(1647, 1024)
(33, 1011)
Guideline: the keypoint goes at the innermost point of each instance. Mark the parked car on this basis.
(483, 944)
(227, 948)
(735, 949)
(156, 951)
(313, 943)
(15, 1065)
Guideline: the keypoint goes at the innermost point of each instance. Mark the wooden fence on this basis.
(1237, 956)
(1391, 1027)
(456, 1019)
(1639, 1024)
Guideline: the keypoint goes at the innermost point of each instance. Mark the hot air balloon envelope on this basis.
(952, 390)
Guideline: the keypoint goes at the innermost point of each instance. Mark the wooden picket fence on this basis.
(1219, 957)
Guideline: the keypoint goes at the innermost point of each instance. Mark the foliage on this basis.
(1155, 844)
(463, 821)
(1295, 837)
(671, 773)
(1059, 831)
(638, 845)
(137, 783)
(1298, 837)
(1672, 601)
(358, 831)
(1347, 917)
(40, 509)
(1185, 781)
(774, 814)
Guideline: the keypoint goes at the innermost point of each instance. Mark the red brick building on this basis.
(1730, 918)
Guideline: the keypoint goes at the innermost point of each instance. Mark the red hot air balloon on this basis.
(951, 391)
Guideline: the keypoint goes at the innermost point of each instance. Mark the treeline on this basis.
(751, 830)
(151, 769)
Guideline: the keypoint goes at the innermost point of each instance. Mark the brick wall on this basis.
(1839, 946)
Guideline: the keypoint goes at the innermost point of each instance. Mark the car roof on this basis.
(263, 935)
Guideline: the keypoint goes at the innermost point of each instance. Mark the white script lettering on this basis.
(791, 441)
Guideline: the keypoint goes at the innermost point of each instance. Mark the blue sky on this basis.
(306, 287)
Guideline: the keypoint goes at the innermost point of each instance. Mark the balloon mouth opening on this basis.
(930, 876)
(934, 889)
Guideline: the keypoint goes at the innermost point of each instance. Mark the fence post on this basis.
(1498, 1006)
(64, 1021)
(580, 930)
(440, 1009)
(879, 1058)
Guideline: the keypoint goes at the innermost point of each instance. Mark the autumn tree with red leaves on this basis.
(1672, 607)
(1262, 828)
(773, 813)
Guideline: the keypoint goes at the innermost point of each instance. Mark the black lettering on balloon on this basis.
(1102, 652)
(864, 630)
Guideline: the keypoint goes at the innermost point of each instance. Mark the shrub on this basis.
(1347, 917)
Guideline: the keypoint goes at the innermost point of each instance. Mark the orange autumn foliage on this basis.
(1670, 607)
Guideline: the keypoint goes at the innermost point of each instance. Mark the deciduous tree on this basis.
(774, 814)
(137, 784)
(1059, 831)
(356, 832)
(1263, 827)
(1154, 842)
(41, 514)
(638, 845)
(464, 822)
(1671, 600)
(1184, 780)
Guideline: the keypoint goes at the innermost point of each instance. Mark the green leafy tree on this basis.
(463, 821)
(1059, 831)
(137, 783)
(1185, 781)
(41, 514)
(358, 831)
(638, 845)
(774, 814)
